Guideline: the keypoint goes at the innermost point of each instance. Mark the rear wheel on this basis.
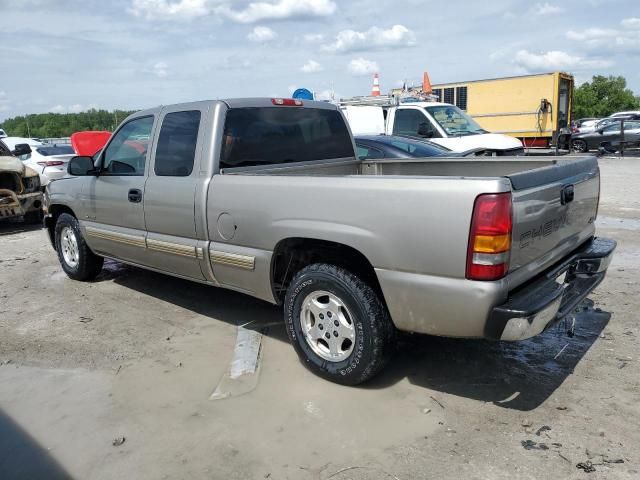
(337, 324)
(76, 258)
(579, 146)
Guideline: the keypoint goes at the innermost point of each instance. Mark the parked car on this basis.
(3, 133)
(609, 134)
(625, 114)
(20, 193)
(584, 125)
(370, 147)
(267, 197)
(398, 146)
(50, 161)
(440, 123)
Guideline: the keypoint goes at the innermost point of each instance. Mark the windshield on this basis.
(454, 121)
(55, 150)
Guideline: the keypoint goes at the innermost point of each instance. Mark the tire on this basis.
(76, 258)
(579, 146)
(356, 307)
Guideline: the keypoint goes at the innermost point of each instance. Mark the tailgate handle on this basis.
(566, 194)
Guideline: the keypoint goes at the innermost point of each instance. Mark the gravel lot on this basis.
(137, 355)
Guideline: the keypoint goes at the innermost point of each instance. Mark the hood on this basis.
(11, 164)
(30, 172)
(90, 142)
(491, 141)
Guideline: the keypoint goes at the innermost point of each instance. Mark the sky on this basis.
(72, 55)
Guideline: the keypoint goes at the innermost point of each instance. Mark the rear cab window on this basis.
(176, 149)
(255, 136)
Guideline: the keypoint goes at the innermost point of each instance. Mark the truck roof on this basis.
(237, 103)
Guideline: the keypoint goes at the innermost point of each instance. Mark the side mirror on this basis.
(600, 130)
(81, 167)
(425, 130)
(21, 149)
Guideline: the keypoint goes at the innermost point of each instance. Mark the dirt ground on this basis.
(137, 355)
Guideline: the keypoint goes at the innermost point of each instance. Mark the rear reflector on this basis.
(490, 237)
(286, 102)
(51, 163)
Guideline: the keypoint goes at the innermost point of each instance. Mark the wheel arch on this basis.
(53, 213)
(294, 253)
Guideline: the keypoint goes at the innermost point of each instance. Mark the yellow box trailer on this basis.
(530, 107)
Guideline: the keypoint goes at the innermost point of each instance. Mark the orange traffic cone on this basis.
(375, 90)
(426, 83)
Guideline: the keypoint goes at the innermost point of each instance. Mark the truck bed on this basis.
(477, 167)
(544, 227)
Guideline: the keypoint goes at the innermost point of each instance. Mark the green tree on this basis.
(46, 125)
(603, 96)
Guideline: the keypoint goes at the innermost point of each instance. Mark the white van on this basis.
(441, 123)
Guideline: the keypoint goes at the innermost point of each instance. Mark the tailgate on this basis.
(554, 211)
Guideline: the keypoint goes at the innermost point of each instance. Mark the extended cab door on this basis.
(169, 201)
(114, 223)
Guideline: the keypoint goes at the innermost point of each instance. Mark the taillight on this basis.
(287, 102)
(51, 163)
(490, 237)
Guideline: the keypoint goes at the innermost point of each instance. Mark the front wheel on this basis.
(76, 259)
(337, 324)
(579, 146)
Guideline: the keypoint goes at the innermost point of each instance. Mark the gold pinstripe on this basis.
(245, 262)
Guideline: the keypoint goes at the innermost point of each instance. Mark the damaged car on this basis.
(20, 191)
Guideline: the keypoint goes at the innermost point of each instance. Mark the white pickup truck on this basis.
(441, 123)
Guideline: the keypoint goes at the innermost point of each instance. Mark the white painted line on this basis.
(244, 368)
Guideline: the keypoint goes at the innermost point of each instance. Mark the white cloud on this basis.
(4, 101)
(262, 34)
(75, 108)
(314, 37)
(631, 23)
(626, 40)
(556, 60)
(236, 62)
(373, 39)
(160, 69)
(546, 9)
(278, 10)
(362, 66)
(186, 9)
(311, 67)
(327, 95)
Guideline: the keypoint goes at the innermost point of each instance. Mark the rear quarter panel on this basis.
(408, 224)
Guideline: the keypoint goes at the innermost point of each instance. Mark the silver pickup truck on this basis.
(267, 197)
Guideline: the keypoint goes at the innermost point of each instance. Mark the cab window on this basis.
(407, 122)
(126, 154)
(176, 148)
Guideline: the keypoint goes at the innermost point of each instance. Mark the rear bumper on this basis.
(538, 304)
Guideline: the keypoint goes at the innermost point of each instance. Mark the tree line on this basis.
(603, 96)
(54, 125)
(600, 97)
